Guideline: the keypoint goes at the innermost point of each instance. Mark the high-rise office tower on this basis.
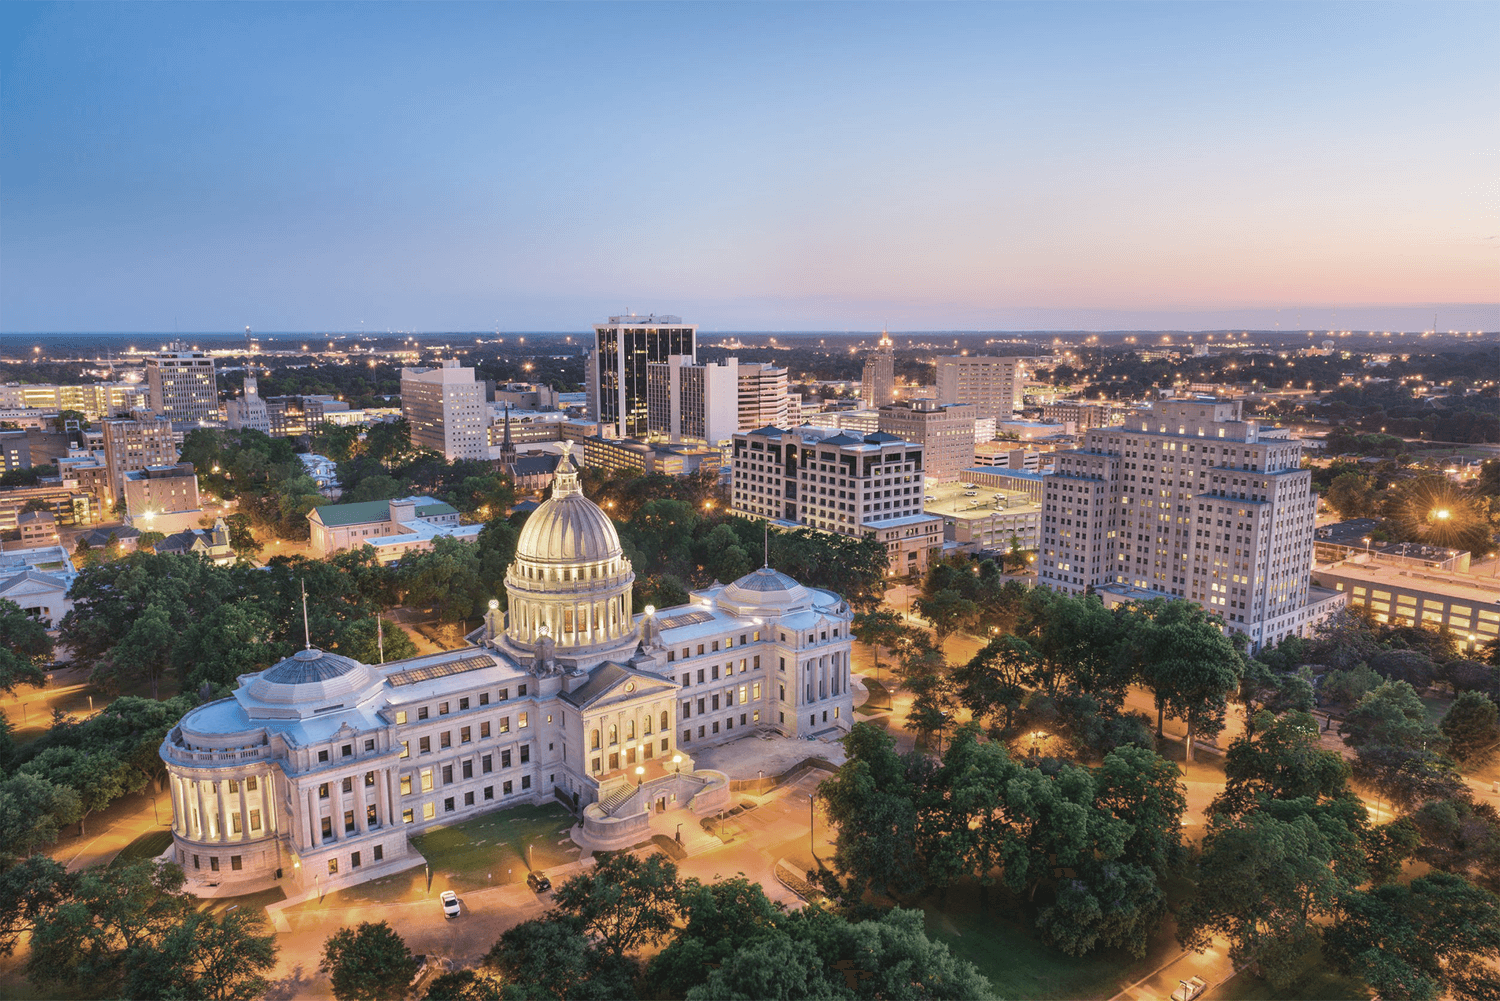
(763, 399)
(946, 434)
(446, 410)
(145, 440)
(181, 386)
(692, 403)
(992, 385)
(617, 376)
(878, 386)
(1190, 501)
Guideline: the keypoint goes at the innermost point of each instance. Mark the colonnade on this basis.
(199, 814)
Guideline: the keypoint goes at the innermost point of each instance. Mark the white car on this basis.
(1190, 989)
(450, 903)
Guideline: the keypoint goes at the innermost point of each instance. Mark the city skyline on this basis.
(749, 167)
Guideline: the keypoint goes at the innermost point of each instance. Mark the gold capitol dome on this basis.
(570, 582)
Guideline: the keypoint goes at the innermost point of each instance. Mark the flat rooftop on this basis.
(951, 500)
(1470, 587)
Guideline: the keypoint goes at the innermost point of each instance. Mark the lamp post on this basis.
(640, 775)
(677, 763)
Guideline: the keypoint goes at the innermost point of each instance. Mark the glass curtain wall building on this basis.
(623, 348)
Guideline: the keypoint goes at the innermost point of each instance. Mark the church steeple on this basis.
(507, 447)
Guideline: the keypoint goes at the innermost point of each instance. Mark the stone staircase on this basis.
(616, 799)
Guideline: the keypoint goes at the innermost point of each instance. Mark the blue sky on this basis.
(803, 166)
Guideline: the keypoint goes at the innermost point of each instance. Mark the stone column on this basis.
(221, 798)
(382, 806)
(336, 807)
(245, 812)
(179, 804)
(314, 828)
(361, 805)
(202, 811)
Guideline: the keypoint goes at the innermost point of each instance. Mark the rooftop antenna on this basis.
(379, 638)
(767, 527)
(306, 630)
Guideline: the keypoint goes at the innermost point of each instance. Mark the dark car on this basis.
(538, 882)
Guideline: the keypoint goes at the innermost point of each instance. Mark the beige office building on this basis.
(946, 434)
(688, 402)
(878, 382)
(135, 444)
(1189, 501)
(95, 401)
(992, 384)
(763, 401)
(446, 410)
(1466, 605)
(181, 385)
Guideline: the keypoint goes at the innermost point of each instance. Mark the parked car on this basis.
(450, 903)
(538, 882)
(1190, 989)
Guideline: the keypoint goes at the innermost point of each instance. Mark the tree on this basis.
(361, 641)
(219, 958)
(1353, 495)
(1189, 664)
(1112, 904)
(1439, 936)
(876, 629)
(1392, 740)
(551, 959)
(1145, 790)
(97, 777)
(626, 901)
(991, 685)
(369, 962)
(1471, 725)
(1262, 883)
(104, 927)
(948, 611)
(241, 539)
(148, 540)
(1461, 836)
(1280, 757)
(718, 918)
(871, 799)
(32, 809)
(24, 648)
(143, 652)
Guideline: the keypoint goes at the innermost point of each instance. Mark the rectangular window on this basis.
(354, 861)
(349, 784)
(468, 799)
(448, 805)
(687, 736)
(447, 775)
(468, 768)
(714, 673)
(406, 785)
(487, 764)
(521, 691)
(489, 792)
(463, 704)
(347, 751)
(322, 757)
(250, 784)
(442, 708)
(422, 713)
(757, 662)
(407, 817)
(254, 820)
(379, 852)
(333, 867)
(700, 675)
(429, 810)
(505, 789)
(484, 698)
(464, 735)
(323, 790)
(445, 739)
(213, 862)
(521, 723)
(687, 708)
(234, 785)
(525, 753)
(504, 694)
(424, 745)
(369, 780)
(427, 780)
(234, 823)
(348, 821)
(716, 703)
(327, 825)
(369, 745)
(504, 759)
(405, 749)
(525, 781)
(484, 730)
(505, 724)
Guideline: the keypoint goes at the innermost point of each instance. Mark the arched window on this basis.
(614, 734)
(646, 726)
(664, 724)
(630, 730)
(595, 742)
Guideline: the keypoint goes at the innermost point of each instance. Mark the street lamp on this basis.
(677, 763)
(640, 775)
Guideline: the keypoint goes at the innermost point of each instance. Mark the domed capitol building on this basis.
(315, 771)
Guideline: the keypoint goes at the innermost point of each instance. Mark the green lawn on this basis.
(1317, 982)
(488, 850)
(147, 846)
(997, 940)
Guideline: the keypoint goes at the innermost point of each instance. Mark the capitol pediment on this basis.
(612, 683)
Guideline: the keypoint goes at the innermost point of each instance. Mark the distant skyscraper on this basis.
(993, 385)
(617, 376)
(879, 384)
(1189, 501)
(135, 444)
(763, 398)
(692, 403)
(446, 410)
(946, 434)
(181, 386)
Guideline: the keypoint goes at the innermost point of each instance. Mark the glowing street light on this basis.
(640, 775)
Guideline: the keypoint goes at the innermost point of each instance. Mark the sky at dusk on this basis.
(749, 167)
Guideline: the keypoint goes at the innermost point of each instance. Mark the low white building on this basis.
(394, 528)
(38, 580)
